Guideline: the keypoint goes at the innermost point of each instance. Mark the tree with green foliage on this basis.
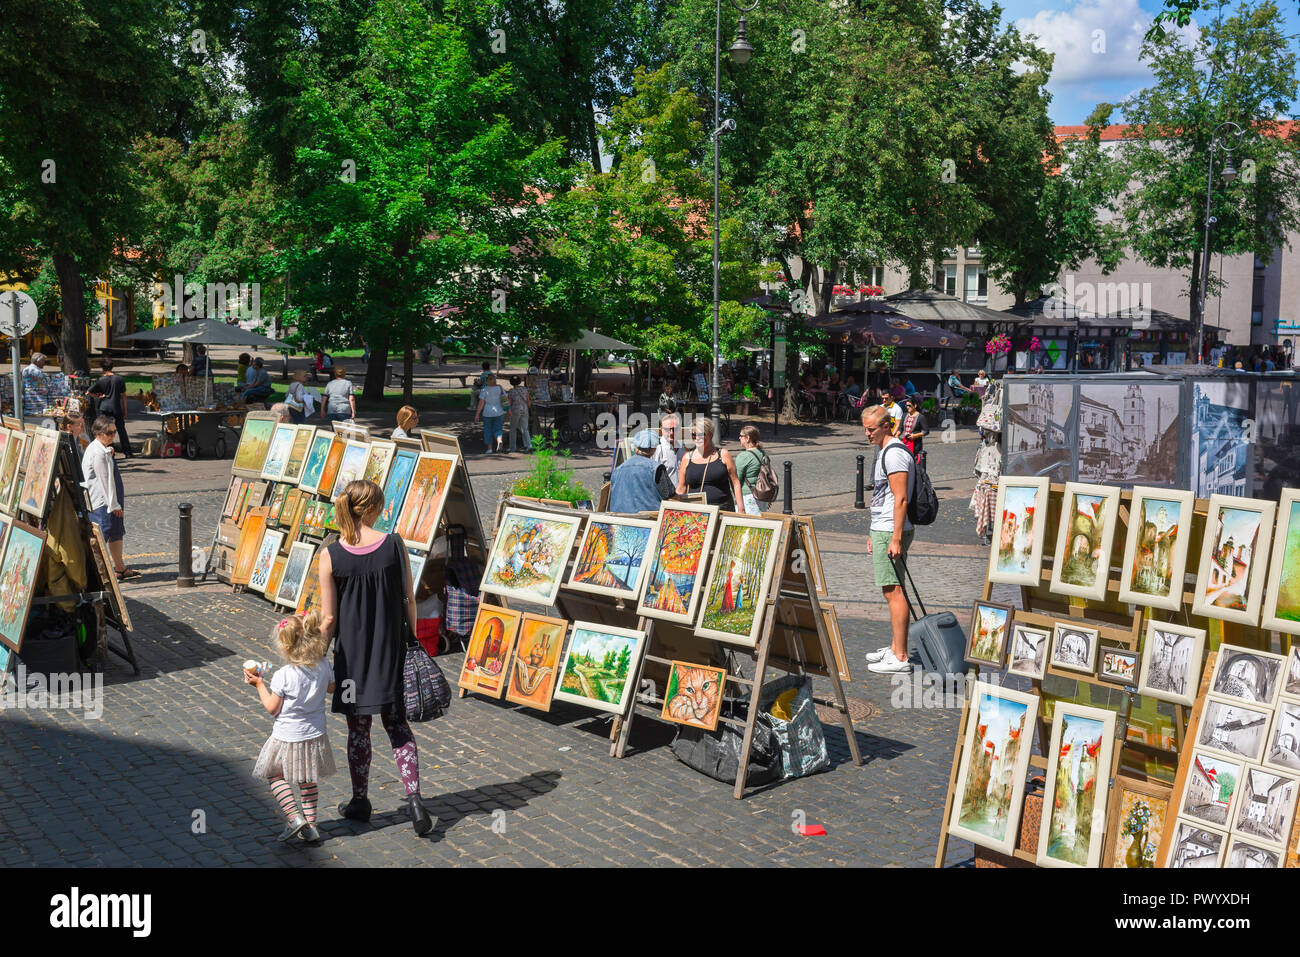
(1240, 69)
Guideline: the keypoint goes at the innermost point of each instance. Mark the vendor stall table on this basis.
(200, 431)
(572, 420)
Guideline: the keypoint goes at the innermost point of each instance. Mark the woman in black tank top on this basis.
(709, 469)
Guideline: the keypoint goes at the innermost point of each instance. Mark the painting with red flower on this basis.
(1073, 828)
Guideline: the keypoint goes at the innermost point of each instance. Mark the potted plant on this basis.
(551, 476)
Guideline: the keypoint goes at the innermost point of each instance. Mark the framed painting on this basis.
(1233, 728)
(1291, 683)
(294, 522)
(426, 495)
(330, 472)
(108, 577)
(273, 582)
(1283, 748)
(296, 568)
(1019, 531)
(278, 496)
(1282, 596)
(1027, 654)
(317, 453)
(678, 553)
(309, 597)
(1195, 845)
(994, 758)
(1083, 540)
(249, 542)
(378, 460)
(277, 452)
(329, 522)
(1074, 647)
(1246, 853)
(20, 568)
(1073, 829)
(537, 661)
(1118, 666)
(1171, 662)
(351, 467)
(1230, 576)
(813, 553)
(7, 440)
(38, 476)
(396, 485)
(1266, 805)
(744, 559)
(990, 627)
(1155, 550)
(443, 442)
(232, 497)
(487, 657)
(289, 511)
(351, 431)
(267, 550)
(529, 554)
(9, 469)
(297, 460)
(1210, 790)
(1138, 813)
(254, 441)
(599, 666)
(416, 562)
(832, 619)
(1247, 674)
(612, 556)
(693, 696)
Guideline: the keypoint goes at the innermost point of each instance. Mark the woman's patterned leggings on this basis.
(404, 750)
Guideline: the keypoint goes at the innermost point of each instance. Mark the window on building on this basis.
(945, 279)
(977, 284)
(972, 251)
(1257, 302)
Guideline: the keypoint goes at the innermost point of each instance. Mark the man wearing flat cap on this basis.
(640, 483)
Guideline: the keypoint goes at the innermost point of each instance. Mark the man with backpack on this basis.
(893, 484)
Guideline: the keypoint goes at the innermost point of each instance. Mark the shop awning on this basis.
(930, 305)
(873, 322)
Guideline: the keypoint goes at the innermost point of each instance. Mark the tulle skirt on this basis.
(294, 761)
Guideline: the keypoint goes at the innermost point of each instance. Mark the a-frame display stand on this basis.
(1043, 610)
(784, 642)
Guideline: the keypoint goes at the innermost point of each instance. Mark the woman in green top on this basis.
(749, 460)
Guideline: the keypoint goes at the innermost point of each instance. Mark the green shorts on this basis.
(885, 574)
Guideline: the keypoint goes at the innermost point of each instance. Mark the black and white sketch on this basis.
(1074, 647)
(1266, 805)
(1128, 433)
(1028, 651)
(1292, 685)
(1245, 854)
(1283, 749)
(1195, 846)
(1233, 728)
(1211, 788)
(1171, 662)
(1248, 675)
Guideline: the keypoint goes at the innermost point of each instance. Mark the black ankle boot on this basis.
(358, 809)
(420, 818)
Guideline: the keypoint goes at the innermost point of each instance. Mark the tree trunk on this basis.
(408, 370)
(374, 388)
(72, 292)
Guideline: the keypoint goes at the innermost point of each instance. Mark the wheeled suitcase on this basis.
(939, 639)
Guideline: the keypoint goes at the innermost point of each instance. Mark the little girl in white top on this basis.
(297, 749)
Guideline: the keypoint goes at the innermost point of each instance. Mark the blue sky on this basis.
(1082, 78)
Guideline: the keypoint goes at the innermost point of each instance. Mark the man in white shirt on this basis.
(669, 453)
(893, 483)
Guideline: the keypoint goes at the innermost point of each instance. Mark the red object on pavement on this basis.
(812, 830)
(427, 631)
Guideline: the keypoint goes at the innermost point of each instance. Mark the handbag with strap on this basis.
(425, 692)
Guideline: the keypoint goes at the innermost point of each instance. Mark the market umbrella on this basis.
(207, 332)
(873, 323)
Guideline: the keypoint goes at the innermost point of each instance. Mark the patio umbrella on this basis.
(207, 332)
(873, 323)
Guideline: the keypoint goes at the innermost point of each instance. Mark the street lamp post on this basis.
(1229, 174)
(740, 51)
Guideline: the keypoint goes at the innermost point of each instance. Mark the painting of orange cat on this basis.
(694, 695)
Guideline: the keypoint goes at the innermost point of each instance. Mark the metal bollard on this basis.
(607, 475)
(789, 493)
(858, 500)
(185, 577)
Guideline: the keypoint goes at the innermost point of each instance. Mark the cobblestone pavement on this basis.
(162, 777)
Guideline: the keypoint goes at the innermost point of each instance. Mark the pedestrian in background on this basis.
(111, 389)
(491, 400)
(520, 406)
(340, 405)
(893, 480)
(74, 423)
(709, 469)
(241, 370)
(670, 451)
(103, 484)
(407, 419)
(749, 462)
(642, 482)
(914, 428)
(296, 397)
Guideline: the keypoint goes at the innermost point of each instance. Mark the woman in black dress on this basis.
(709, 469)
(365, 584)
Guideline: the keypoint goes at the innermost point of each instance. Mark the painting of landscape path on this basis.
(598, 665)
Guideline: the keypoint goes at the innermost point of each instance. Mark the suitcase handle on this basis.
(896, 562)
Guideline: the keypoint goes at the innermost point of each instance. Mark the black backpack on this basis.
(923, 506)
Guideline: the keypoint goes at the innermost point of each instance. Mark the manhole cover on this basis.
(859, 710)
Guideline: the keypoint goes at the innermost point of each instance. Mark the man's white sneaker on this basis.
(889, 665)
(874, 656)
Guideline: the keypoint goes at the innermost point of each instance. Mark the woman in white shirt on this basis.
(407, 419)
(103, 484)
(492, 411)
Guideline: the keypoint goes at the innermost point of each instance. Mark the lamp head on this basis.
(1229, 171)
(740, 49)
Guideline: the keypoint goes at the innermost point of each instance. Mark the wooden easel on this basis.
(1113, 626)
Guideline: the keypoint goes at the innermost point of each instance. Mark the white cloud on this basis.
(1094, 40)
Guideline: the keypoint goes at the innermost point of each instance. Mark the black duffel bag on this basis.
(717, 753)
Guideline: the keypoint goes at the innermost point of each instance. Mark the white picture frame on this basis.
(1195, 845)
(351, 467)
(1077, 547)
(277, 452)
(1200, 798)
(1064, 653)
(1282, 748)
(1134, 584)
(582, 573)
(1081, 723)
(508, 558)
(1171, 662)
(585, 632)
(1247, 674)
(264, 562)
(1018, 494)
(1244, 852)
(1223, 524)
(714, 583)
(1282, 575)
(1028, 656)
(1022, 712)
(294, 476)
(1233, 728)
(299, 563)
(1266, 802)
(647, 604)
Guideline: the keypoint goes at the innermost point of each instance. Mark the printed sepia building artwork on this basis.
(1196, 846)
(1171, 662)
(1266, 805)
(1232, 728)
(1128, 433)
(1074, 647)
(1222, 441)
(1038, 430)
